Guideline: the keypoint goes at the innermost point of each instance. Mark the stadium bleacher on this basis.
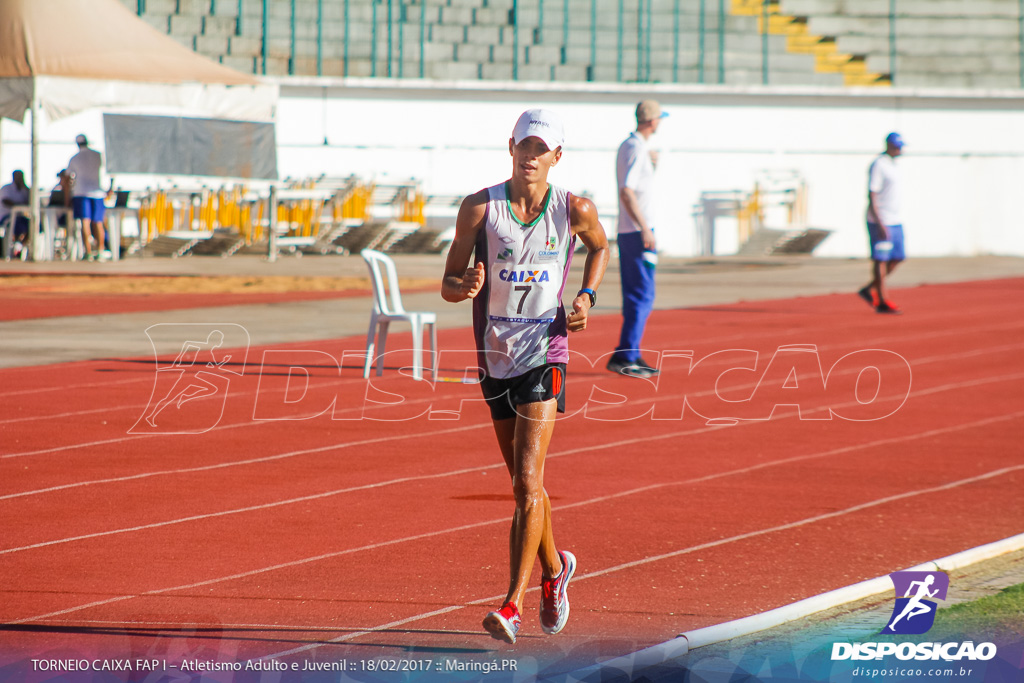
(937, 44)
(916, 43)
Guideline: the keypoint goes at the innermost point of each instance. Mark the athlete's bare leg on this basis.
(882, 269)
(910, 611)
(87, 235)
(524, 443)
(99, 231)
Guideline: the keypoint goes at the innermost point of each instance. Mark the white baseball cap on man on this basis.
(542, 123)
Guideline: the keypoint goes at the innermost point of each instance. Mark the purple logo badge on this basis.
(914, 612)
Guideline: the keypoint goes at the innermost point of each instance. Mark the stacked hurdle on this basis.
(318, 215)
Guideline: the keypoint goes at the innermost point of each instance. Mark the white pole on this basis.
(33, 228)
(272, 225)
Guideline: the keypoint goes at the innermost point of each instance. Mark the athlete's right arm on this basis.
(460, 281)
(875, 183)
(630, 202)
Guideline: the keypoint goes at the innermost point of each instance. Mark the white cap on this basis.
(542, 123)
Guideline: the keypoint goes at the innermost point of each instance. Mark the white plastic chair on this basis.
(387, 307)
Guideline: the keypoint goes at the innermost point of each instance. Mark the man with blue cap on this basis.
(885, 225)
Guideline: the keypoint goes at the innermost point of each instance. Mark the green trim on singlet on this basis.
(544, 210)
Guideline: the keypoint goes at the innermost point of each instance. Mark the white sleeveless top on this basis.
(518, 317)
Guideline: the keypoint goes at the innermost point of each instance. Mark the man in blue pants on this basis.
(638, 257)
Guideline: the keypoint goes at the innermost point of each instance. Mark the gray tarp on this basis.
(169, 145)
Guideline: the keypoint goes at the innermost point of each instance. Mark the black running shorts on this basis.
(542, 383)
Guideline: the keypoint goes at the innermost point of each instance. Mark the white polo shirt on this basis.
(635, 169)
(885, 180)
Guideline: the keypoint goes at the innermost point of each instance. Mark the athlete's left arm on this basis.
(584, 223)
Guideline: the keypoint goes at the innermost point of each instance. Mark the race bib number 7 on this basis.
(523, 293)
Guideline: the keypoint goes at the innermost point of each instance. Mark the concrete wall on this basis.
(964, 160)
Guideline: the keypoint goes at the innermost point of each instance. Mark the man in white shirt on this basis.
(638, 256)
(88, 196)
(14, 194)
(885, 226)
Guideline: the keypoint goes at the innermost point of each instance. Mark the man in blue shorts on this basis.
(521, 235)
(885, 226)
(88, 196)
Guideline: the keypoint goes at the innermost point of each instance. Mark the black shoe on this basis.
(888, 307)
(868, 295)
(650, 368)
(630, 369)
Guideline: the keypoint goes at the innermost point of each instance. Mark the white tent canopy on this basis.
(61, 96)
(60, 57)
(78, 54)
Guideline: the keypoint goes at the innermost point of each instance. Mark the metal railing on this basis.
(675, 41)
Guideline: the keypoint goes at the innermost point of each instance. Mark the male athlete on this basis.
(523, 232)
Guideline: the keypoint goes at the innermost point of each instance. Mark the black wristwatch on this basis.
(591, 293)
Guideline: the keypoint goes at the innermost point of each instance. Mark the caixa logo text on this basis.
(948, 652)
(522, 275)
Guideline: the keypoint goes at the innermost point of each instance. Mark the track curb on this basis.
(690, 640)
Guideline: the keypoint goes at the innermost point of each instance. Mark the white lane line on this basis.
(75, 413)
(504, 520)
(932, 359)
(334, 382)
(587, 449)
(704, 342)
(68, 387)
(946, 331)
(269, 458)
(677, 553)
(219, 427)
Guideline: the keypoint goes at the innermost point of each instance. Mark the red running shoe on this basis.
(554, 597)
(504, 624)
(889, 307)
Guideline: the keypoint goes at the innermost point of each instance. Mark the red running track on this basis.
(374, 529)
